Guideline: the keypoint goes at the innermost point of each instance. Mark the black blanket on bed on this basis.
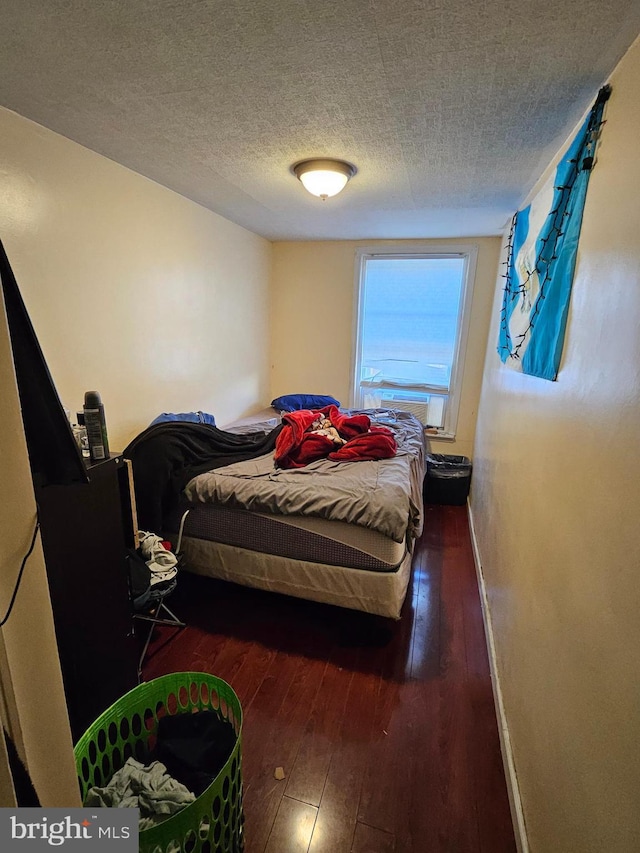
(167, 455)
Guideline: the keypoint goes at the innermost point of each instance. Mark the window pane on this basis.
(409, 322)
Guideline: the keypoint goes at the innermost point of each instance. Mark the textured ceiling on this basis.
(449, 109)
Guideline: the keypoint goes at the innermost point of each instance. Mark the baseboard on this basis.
(513, 789)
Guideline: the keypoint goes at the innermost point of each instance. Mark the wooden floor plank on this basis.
(370, 840)
(338, 812)
(386, 730)
(309, 772)
(386, 782)
(274, 725)
(485, 758)
(425, 642)
(261, 755)
(292, 827)
(457, 827)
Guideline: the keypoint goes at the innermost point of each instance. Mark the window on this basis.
(412, 321)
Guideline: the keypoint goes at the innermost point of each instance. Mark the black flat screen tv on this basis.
(54, 456)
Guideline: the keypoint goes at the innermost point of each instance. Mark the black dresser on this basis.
(86, 530)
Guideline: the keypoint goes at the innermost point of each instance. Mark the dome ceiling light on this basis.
(324, 177)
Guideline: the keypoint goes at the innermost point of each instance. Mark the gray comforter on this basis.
(384, 495)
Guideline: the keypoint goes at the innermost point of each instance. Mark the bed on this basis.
(341, 533)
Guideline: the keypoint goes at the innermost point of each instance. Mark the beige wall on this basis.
(133, 290)
(555, 502)
(312, 322)
(32, 703)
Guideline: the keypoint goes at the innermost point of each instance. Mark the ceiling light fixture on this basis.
(324, 177)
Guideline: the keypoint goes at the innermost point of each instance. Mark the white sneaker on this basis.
(162, 563)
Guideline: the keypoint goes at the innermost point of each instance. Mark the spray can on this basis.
(96, 426)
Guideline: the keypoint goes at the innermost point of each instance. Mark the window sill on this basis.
(439, 436)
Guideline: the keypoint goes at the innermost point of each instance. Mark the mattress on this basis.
(314, 540)
(383, 495)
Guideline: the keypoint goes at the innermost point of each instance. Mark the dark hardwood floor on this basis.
(386, 730)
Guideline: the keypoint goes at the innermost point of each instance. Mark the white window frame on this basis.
(469, 253)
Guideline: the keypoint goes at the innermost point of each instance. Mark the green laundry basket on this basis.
(214, 822)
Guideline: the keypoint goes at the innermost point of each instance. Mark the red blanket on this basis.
(296, 446)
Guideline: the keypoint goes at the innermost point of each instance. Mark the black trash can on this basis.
(447, 479)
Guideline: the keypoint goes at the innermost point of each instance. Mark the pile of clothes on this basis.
(308, 435)
(167, 455)
(190, 751)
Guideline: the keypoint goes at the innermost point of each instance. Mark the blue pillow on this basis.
(190, 417)
(292, 402)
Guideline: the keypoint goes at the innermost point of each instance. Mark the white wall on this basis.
(555, 503)
(133, 290)
(312, 322)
